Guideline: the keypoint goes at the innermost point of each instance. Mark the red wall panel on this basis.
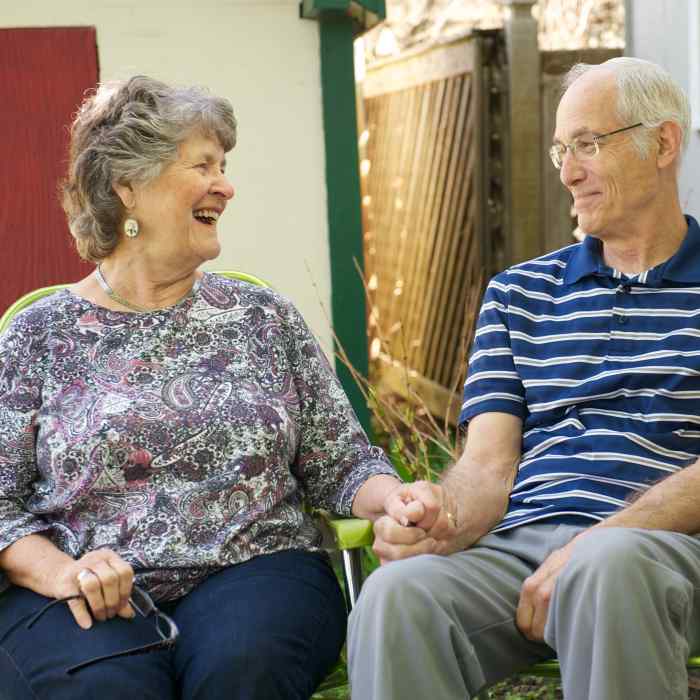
(44, 74)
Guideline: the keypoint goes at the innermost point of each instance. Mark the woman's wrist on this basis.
(34, 562)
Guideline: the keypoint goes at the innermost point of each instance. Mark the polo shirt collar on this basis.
(683, 266)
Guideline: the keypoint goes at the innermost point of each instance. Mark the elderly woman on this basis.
(160, 431)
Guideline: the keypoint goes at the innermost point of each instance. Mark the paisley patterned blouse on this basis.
(184, 439)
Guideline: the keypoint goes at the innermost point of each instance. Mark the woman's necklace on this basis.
(120, 300)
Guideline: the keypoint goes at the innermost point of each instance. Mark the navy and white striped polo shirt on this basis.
(604, 370)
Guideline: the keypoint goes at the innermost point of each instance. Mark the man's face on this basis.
(614, 187)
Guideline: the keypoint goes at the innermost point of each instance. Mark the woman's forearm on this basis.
(32, 562)
(369, 500)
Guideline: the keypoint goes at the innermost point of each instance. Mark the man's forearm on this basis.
(481, 495)
(481, 481)
(672, 504)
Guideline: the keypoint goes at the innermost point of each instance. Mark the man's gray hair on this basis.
(126, 132)
(645, 93)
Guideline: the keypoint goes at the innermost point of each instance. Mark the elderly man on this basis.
(569, 525)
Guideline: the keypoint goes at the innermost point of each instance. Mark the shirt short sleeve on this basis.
(493, 383)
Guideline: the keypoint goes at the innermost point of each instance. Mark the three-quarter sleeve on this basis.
(493, 383)
(334, 457)
(22, 348)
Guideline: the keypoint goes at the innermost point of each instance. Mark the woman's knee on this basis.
(279, 624)
(110, 681)
(268, 667)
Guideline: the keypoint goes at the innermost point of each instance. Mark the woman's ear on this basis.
(125, 192)
(670, 143)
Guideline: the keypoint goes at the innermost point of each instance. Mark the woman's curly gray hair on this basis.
(126, 132)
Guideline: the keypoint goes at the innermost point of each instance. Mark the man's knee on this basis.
(615, 560)
(609, 551)
(400, 600)
(397, 584)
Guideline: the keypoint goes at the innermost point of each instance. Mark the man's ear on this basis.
(125, 192)
(669, 140)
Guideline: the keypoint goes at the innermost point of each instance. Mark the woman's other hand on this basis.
(103, 579)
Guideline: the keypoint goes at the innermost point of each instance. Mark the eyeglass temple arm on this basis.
(35, 618)
(128, 652)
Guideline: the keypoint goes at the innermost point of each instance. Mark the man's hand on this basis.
(426, 505)
(536, 593)
(420, 519)
(393, 541)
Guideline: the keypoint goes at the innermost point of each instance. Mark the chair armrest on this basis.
(351, 533)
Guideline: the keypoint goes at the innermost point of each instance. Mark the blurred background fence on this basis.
(456, 186)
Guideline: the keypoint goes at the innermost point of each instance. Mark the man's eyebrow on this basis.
(578, 132)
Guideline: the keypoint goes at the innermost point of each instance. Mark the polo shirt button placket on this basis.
(622, 290)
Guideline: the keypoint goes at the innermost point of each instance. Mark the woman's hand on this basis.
(103, 579)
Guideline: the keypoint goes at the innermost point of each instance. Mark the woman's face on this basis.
(178, 211)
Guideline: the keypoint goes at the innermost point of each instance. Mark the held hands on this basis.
(420, 519)
(103, 579)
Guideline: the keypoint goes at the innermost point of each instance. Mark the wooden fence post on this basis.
(523, 156)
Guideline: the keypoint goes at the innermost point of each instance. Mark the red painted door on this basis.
(44, 74)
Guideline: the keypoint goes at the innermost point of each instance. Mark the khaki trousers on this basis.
(624, 615)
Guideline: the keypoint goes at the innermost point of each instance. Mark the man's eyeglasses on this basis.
(583, 147)
(142, 603)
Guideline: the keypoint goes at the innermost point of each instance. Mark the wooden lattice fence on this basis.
(423, 251)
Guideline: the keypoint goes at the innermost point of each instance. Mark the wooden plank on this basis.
(453, 353)
(448, 333)
(447, 336)
(426, 279)
(525, 235)
(419, 136)
(425, 66)
(390, 115)
(423, 232)
(433, 311)
(402, 187)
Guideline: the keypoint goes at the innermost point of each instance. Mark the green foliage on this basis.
(526, 688)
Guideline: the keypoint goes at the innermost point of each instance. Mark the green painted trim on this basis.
(367, 13)
(343, 201)
(351, 533)
(320, 5)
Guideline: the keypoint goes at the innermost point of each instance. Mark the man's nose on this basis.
(571, 171)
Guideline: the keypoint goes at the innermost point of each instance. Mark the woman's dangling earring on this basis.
(131, 228)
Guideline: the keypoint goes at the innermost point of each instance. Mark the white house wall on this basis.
(658, 30)
(261, 56)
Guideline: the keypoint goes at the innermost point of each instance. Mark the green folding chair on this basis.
(348, 535)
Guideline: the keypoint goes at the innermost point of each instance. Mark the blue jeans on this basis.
(267, 629)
